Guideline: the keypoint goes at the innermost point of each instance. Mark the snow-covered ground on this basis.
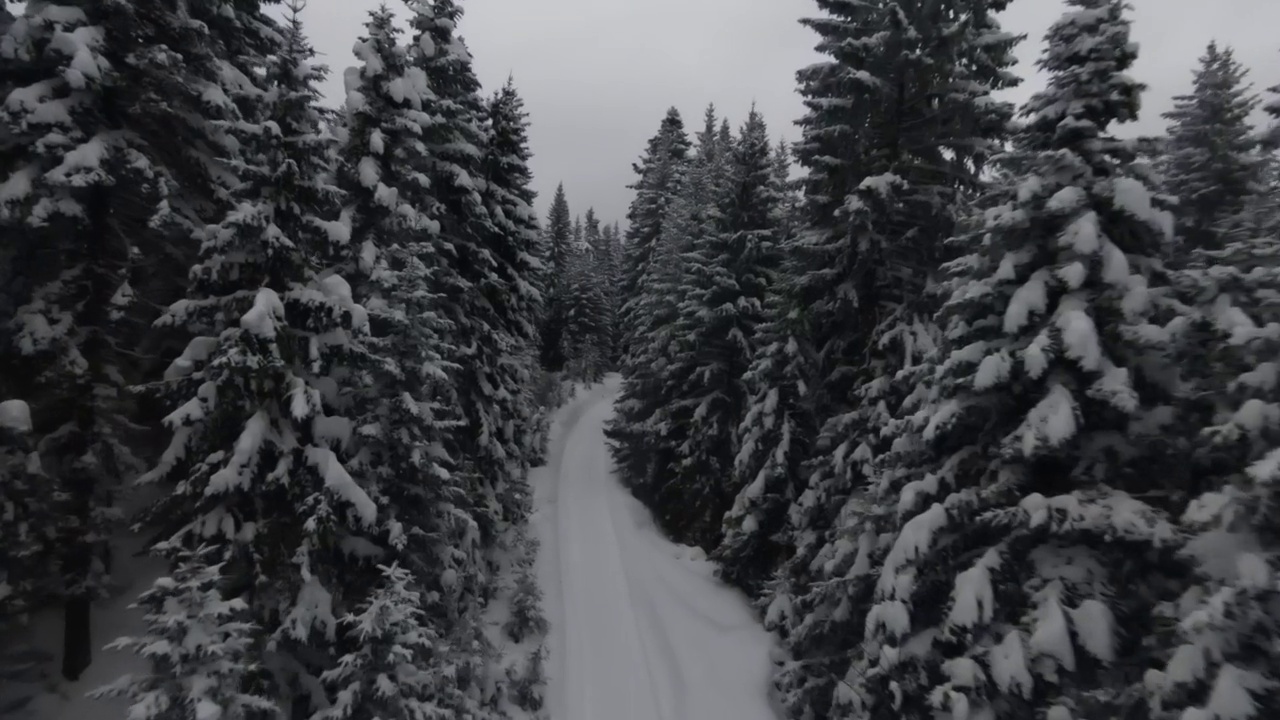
(112, 618)
(641, 629)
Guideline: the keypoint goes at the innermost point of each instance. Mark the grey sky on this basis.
(597, 75)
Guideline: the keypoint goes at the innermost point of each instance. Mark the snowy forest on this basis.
(977, 404)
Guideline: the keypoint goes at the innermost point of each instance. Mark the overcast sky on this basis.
(598, 75)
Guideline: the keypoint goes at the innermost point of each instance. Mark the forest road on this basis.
(641, 628)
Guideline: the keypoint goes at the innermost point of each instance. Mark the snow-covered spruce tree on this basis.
(787, 218)
(885, 171)
(558, 239)
(650, 279)
(92, 165)
(606, 264)
(659, 176)
(489, 380)
(28, 516)
(386, 672)
(406, 435)
(584, 304)
(476, 289)
(727, 274)
(1271, 134)
(204, 651)
(772, 437)
(263, 431)
(1225, 651)
(411, 439)
(1224, 626)
(1012, 548)
(1211, 163)
(609, 267)
(521, 255)
(652, 384)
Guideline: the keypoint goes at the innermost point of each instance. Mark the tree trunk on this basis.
(77, 638)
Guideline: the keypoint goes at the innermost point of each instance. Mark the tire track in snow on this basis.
(639, 631)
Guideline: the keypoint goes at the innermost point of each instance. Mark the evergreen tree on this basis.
(478, 298)
(659, 176)
(585, 304)
(489, 375)
(97, 171)
(559, 243)
(1212, 165)
(648, 428)
(1271, 135)
(1011, 548)
(651, 279)
(407, 431)
(900, 123)
(201, 646)
(385, 674)
(727, 275)
(609, 269)
(518, 246)
(1222, 631)
(28, 512)
(262, 433)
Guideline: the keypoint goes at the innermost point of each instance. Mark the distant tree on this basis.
(586, 308)
(608, 273)
(1211, 164)
(559, 243)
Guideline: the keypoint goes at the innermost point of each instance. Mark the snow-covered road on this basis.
(641, 629)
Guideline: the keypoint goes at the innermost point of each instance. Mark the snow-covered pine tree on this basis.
(558, 240)
(489, 380)
(204, 651)
(412, 437)
(1225, 652)
(787, 219)
(774, 435)
(387, 673)
(650, 424)
(585, 304)
(660, 173)
(263, 429)
(727, 274)
(28, 516)
(885, 172)
(681, 500)
(609, 267)
(94, 167)
(650, 278)
(406, 438)
(1211, 163)
(521, 255)
(1223, 628)
(1013, 549)
(1271, 106)
(488, 377)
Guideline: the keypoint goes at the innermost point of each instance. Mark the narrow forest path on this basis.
(641, 629)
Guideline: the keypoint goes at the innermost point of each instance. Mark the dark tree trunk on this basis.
(80, 549)
(77, 639)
